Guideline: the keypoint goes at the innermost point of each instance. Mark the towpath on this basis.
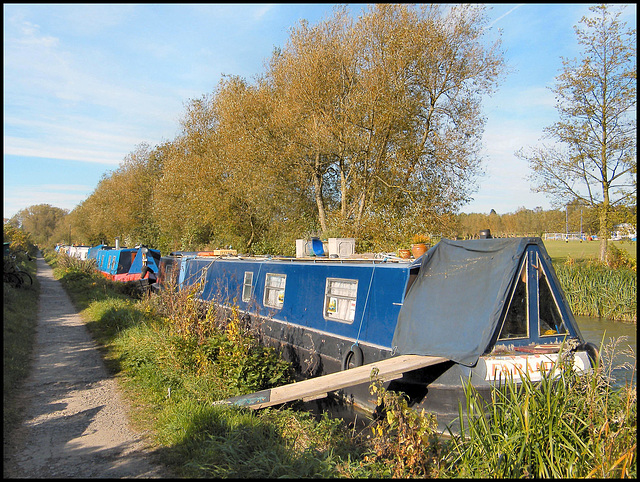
(75, 422)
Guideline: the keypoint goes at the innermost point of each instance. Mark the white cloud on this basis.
(62, 153)
(64, 196)
(262, 10)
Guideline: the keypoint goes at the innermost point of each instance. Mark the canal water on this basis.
(602, 332)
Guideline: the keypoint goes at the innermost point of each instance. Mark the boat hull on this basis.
(438, 389)
(494, 308)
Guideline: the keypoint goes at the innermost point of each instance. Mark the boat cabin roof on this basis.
(471, 295)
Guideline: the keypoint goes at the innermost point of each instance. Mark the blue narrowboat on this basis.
(126, 264)
(492, 307)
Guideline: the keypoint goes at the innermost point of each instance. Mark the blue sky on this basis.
(85, 84)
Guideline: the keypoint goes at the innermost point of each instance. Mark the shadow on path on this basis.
(75, 424)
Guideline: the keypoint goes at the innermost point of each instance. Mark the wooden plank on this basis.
(314, 388)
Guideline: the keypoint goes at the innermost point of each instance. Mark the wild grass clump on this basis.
(85, 284)
(567, 425)
(218, 342)
(75, 268)
(230, 442)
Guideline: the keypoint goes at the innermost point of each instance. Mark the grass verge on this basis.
(19, 320)
(175, 357)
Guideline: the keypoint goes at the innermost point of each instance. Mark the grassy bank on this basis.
(19, 320)
(560, 251)
(175, 357)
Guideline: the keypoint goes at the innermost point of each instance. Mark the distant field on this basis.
(583, 250)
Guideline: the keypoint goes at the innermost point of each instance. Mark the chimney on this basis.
(117, 242)
(485, 234)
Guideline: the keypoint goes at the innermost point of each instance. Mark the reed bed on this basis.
(593, 289)
(569, 425)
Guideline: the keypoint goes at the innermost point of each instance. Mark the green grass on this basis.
(19, 320)
(175, 359)
(559, 251)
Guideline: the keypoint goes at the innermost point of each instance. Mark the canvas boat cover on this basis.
(456, 302)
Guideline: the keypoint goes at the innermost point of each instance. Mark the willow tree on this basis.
(310, 82)
(190, 190)
(260, 197)
(120, 205)
(386, 110)
(593, 158)
(424, 71)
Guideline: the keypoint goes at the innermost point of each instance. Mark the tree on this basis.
(383, 114)
(121, 204)
(40, 221)
(594, 159)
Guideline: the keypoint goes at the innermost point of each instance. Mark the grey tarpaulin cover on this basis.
(454, 306)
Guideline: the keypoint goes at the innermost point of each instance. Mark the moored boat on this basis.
(139, 264)
(493, 308)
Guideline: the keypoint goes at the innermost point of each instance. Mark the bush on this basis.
(404, 442)
(619, 258)
(21, 242)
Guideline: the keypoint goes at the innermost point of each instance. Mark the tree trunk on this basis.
(317, 184)
(604, 226)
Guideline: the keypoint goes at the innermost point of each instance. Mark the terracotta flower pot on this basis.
(404, 253)
(419, 249)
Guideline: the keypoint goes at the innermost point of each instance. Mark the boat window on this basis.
(551, 323)
(247, 288)
(274, 286)
(202, 280)
(125, 265)
(516, 323)
(340, 299)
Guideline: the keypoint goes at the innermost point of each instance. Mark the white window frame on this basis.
(340, 307)
(270, 287)
(247, 286)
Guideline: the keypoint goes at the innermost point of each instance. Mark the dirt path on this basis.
(75, 423)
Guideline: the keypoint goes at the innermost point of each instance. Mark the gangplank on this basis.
(319, 387)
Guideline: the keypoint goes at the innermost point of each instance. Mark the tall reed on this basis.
(593, 289)
(567, 425)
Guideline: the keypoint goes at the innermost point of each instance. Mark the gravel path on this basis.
(75, 423)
